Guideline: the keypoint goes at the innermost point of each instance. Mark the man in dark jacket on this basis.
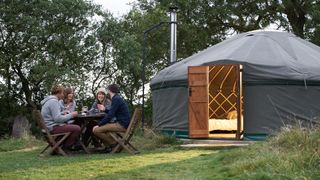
(117, 119)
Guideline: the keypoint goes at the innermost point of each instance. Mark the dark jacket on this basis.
(119, 110)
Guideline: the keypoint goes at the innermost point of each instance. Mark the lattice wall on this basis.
(222, 90)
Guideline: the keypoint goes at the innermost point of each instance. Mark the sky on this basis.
(116, 7)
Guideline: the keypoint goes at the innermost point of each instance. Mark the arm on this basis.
(107, 106)
(94, 106)
(61, 103)
(116, 102)
(56, 113)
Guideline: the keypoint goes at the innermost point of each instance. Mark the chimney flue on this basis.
(173, 34)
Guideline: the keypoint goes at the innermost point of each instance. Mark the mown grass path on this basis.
(159, 164)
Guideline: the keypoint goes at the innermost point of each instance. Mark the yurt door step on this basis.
(215, 101)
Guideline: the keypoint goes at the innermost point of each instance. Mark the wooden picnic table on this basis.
(84, 119)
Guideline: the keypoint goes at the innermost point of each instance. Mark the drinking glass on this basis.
(84, 110)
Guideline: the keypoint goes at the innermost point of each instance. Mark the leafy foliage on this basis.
(42, 42)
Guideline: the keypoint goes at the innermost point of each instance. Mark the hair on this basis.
(114, 88)
(67, 91)
(56, 89)
(104, 100)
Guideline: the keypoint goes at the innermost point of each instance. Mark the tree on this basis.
(302, 18)
(101, 67)
(127, 54)
(42, 42)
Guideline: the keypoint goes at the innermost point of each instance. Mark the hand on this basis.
(74, 114)
(101, 107)
(94, 127)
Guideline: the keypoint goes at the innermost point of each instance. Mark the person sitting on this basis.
(119, 110)
(101, 104)
(55, 120)
(68, 103)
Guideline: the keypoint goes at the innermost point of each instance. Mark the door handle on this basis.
(190, 91)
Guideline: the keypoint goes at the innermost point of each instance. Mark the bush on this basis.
(5, 126)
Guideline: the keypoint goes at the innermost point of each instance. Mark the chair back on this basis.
(133, 124)
(36, 114)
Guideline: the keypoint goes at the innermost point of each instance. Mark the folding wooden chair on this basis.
(54, 140)
(123, 139)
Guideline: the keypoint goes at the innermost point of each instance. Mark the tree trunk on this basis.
(25, 88)
(8, 85)
(296, 14)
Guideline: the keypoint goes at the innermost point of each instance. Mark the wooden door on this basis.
(198, 80)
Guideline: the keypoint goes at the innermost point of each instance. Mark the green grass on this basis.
(293, 154)
(9, 144)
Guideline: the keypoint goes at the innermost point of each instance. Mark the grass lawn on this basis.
(162, 163)
(161, 158)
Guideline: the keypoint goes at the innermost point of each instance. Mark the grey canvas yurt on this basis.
(264, 79)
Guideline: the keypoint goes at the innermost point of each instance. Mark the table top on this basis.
(90, 116)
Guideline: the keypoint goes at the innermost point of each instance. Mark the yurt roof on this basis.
(264, 54)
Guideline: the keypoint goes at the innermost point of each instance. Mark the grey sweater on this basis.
(51, 112)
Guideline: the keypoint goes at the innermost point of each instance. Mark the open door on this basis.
(225, 101)
(198, 80)
(215, 101)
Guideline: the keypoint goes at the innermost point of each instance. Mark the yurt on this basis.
(247, 86)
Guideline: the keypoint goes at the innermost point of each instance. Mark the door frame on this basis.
(198, 131)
